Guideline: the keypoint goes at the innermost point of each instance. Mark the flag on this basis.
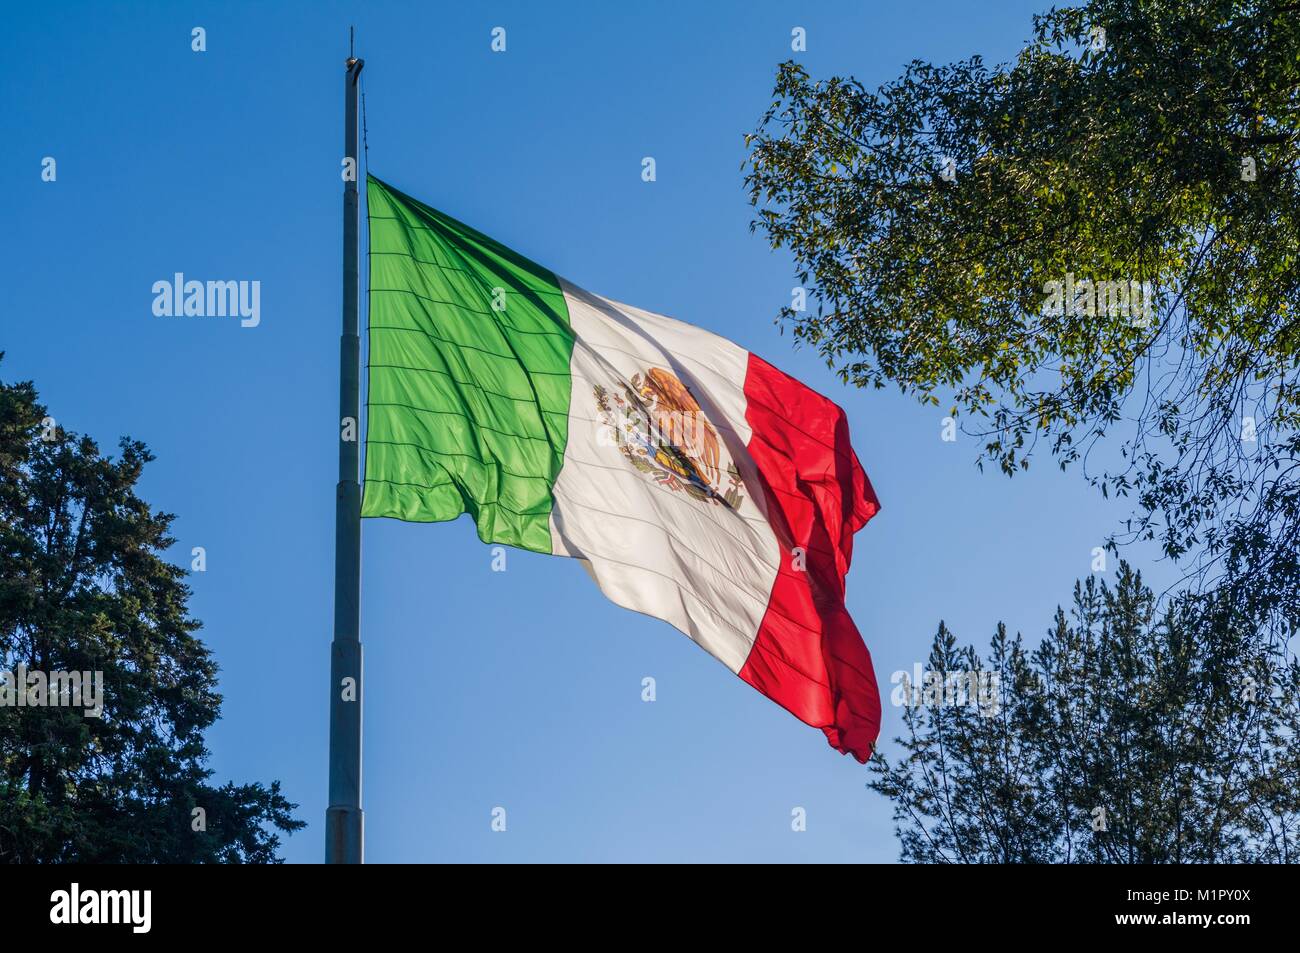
(695, 482)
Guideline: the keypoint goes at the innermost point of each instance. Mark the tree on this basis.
(980, 237)
(84, 588)
(1130, 735)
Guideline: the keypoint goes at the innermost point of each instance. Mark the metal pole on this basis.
(344, 825)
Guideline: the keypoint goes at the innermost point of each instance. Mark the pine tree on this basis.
(84, 587)
(1134, 733)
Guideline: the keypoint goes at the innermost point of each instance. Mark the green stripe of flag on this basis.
(468, 403)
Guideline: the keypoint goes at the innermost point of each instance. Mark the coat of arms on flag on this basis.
(657, 425)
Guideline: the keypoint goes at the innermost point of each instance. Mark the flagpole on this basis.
(344, 823)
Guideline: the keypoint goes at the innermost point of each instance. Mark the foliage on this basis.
(84, 587)
(1130, 735)
(1126, 155)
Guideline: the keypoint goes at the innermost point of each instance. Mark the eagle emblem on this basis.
(658, 425)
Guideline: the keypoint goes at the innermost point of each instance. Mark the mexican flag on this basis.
(694, 481)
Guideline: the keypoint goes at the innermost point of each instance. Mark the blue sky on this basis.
(519, 689)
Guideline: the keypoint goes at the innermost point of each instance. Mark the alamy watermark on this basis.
(133, 908)
(32, 688)
(208, 299)
(1112, 299)
(927, 689)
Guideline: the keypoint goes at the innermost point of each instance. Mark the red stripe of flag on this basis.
(809, 657)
